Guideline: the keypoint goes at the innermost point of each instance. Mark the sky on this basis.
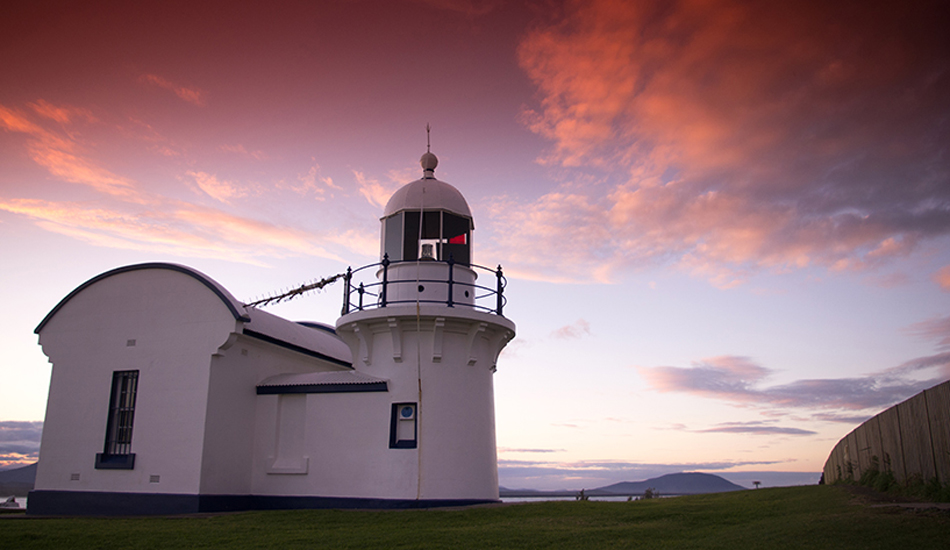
(725, 224)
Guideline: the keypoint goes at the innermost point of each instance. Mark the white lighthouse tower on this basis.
(430, 321)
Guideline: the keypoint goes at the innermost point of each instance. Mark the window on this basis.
(442, 235)
(402, 426)
(117, 453)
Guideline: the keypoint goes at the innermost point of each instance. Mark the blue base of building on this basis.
(81, 503)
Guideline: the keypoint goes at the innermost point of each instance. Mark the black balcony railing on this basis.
(373, 292)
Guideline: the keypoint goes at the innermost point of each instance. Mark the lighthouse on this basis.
(430, 321)
(169, 396)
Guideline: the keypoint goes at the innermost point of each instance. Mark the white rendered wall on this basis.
(346, 446)
(245, 418)
(177, 324)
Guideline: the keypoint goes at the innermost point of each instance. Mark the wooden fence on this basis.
(911, 439)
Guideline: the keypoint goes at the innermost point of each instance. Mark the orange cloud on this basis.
(741, 136)
(127, 216)
(60, 114)
(172, 227)
(217, 189)
(373, 191)
(72, 168)
(191, 95)
(312, 182)
(61, 156)
(942, 278)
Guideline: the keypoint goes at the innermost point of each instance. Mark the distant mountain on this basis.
(17, 481)
(686, 483)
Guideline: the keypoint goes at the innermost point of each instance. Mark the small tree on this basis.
(650, 493)
(757, 483)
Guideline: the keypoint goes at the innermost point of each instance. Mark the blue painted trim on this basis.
(82, 503)
(212, 286)
(323, 388)
(393, 431)
(295, 347)
(115, 462)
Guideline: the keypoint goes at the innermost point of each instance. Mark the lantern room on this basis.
(427, 219)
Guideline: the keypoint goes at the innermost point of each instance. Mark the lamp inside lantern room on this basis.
(442, 235)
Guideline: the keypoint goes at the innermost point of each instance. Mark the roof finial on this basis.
(428, 160)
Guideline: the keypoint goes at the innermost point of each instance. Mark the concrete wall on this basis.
(911, 439)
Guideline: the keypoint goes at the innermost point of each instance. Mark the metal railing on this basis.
(375, 294)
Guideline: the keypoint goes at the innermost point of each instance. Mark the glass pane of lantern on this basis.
(410, 243)
(431, 225)
(393, 237)
(457, 236)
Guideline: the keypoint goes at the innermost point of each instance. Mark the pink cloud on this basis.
(578, 329)
(241, 150)
(741, 136)
(729, 377)
(194, 96)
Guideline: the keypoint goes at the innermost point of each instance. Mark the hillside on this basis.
(18, 481)
(686, 483)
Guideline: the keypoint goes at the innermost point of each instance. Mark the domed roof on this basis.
(427, 193)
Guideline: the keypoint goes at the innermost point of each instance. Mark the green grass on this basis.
(791, 517)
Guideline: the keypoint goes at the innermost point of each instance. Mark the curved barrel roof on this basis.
(428, 193)
(308, 338)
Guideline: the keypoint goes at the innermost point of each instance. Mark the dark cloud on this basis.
(509, 450)
(940, 362)
(853, 420)
(12, 430)
(19, 442)
(755, 428)
(738, 380)
(933, 329)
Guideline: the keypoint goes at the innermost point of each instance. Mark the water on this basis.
(19, 500)
(547, 499)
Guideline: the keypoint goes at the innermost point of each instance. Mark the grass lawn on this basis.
(789, 517)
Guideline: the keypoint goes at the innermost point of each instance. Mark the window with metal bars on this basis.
(117, 453)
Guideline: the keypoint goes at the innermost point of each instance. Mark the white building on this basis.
(168, 395)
